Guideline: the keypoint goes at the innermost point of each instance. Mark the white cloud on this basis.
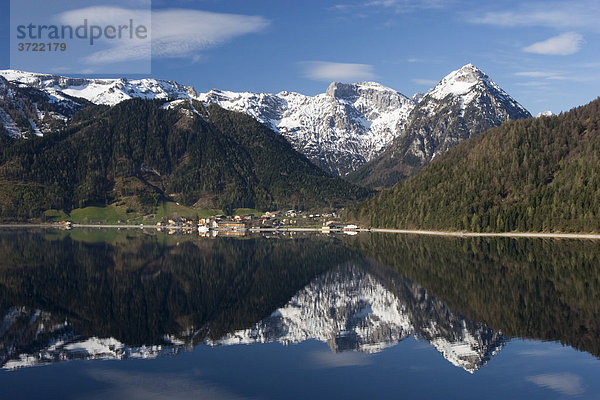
(559, 15)
(176, 33)
(409, 5)
(332, 71)
(563, 45)
(565, 383)
(536, 84)
(425, 82)
(552, 75)
(103, 15)
(590, 65)
(395, 6)
(537, 74)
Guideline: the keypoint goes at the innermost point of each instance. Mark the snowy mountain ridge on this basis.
(339, 130)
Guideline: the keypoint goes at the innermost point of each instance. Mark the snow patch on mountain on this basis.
(547, 113)
(9, 125)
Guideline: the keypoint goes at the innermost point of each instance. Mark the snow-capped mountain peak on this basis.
(546, 113)
(461, 82)
(464, 103)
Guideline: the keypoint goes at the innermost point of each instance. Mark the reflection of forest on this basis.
(531, 288)
(137, 287)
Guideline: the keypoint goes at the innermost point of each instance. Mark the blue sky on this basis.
(546, 54)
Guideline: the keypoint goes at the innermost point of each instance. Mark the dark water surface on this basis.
(96, 314)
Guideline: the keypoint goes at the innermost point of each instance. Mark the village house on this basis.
(231, 225)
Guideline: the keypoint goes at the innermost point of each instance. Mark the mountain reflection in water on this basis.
(112, 294)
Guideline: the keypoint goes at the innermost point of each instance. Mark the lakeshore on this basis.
(547, 235)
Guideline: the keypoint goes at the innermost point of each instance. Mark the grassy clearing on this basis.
(109, 213)
(247, 211)
(121, 214)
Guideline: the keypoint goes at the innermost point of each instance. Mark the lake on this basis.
(107, 313)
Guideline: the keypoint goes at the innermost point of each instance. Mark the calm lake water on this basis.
(97, 314)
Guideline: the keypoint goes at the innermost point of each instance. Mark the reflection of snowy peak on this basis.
(33, 337)
(338, 130)
(347, 308)
(350, 309)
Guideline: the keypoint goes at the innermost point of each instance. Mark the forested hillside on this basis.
(144, 152)
(539, 174)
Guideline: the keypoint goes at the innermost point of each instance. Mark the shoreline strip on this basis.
(592, 236)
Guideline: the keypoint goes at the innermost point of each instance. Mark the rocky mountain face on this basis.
(338, 130)
(531, 175)
(463, 104)
(341, 130)
(346, 307)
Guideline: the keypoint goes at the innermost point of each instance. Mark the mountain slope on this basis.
(338, 130)
(537, 174)
(465, 103)
(26, 111)
(147, 151)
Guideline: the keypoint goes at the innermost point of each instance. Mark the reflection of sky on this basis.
(329, 359)
(565, 382)
(154, 385)
(524, 369)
